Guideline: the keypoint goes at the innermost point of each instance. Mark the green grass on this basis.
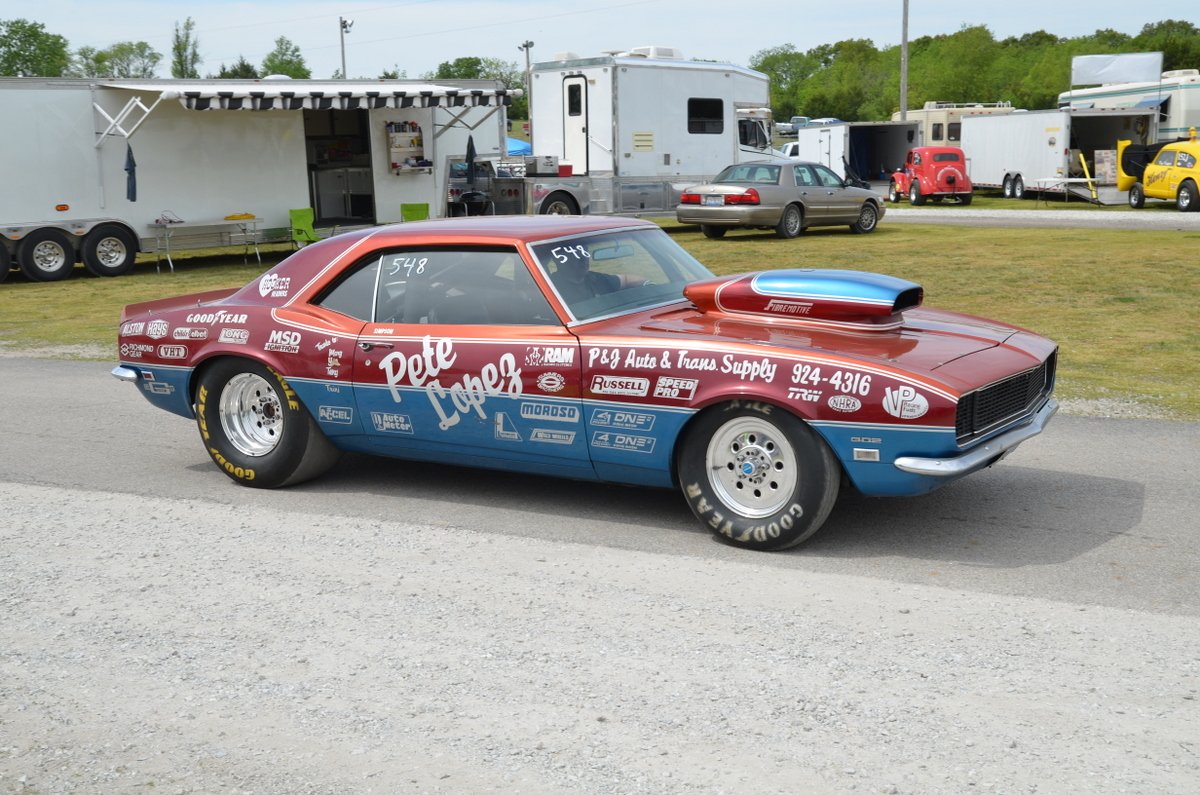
(1120, 303)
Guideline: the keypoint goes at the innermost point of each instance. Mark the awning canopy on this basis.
(1152, 102)
(314, 95)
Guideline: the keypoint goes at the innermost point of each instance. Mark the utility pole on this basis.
(527, 46)
(344, 26)
(904, 65)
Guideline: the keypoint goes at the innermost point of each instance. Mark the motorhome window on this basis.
(936, 135)
(954, 130)
(750, 133)
(575, 100)
(706, 116)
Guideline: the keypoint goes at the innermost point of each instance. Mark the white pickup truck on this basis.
(791, 126)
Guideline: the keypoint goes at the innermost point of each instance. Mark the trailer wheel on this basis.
(914, 195)
(559, 204)
(1018, 187)
(1137, 196)
(1007, 187)
(713, 232)
(109, 251)
(47, 255)
(1186, 199)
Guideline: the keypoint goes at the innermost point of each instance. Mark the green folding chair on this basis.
(414, 212)
(302, 227)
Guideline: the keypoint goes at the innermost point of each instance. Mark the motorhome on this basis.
(940, 123)
(1175, 98)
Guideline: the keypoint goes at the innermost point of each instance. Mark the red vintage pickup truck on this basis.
(932, 172)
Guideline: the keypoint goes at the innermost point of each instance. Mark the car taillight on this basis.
(689, 198)
(749, 197)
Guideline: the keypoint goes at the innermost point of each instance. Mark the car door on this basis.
(466, 362)
(811, 192)
(841, 204)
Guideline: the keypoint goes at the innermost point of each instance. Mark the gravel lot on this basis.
(152, 644)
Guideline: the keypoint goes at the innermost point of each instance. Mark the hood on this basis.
(839, 299)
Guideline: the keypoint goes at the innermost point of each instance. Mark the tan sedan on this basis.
(785, 195)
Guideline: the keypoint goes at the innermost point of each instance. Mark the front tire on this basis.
(1137, 196)
(757, 475)
(713, 232)
(1186, 200)
(914, 195)
(46, 255)
(255, 429)
(893, 192)
(868, 219)
(109, 251)
(791, 223)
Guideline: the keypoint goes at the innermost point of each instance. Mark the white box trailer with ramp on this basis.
(97, 170)
(1040, 150)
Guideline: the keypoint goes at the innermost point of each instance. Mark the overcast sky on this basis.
(416, 35)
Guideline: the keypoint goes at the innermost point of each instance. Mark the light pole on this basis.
(344, 26)
(527, 46)
(904, 65)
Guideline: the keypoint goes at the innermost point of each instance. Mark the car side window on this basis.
(1165, 158)
(459, 285)
(1186, 160)
(354, 295)
(828, 178)
(804, 176)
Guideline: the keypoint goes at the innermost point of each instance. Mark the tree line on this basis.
(854, 80)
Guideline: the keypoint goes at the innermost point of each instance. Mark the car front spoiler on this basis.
(984, 455)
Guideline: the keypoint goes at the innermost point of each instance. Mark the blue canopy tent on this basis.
(518, 147)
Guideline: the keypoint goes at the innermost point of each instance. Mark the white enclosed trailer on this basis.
(626, 132)
(95, 170)
(1040, 150)
(870, 150)
(1176, 98)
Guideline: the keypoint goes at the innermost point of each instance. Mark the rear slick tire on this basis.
(255, 429)
(757, 476)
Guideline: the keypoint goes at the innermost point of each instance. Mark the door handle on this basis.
(366, 346)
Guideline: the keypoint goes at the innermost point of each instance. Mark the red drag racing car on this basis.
(932, 172)
(593, 348)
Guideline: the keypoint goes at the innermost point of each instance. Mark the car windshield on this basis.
(749, 172)
(611, 273)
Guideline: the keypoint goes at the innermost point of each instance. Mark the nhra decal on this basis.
(619, 385)
(391, 423)
(338, 415)
(552, 436)
(789, 307)
(549, 356)
(678, 388)
(844, 403)
(904, 403)
(215, 317)
(623, 441)
(157, 329)
(551, 382)
(132, 328)
(186, 333)
(283, 342)
(274, 286)
(550, 411)
(234, 336)
(172, 351)
(625, 420)
(470, 394)
(135, 350)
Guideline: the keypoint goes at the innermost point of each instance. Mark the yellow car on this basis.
(1170, 171)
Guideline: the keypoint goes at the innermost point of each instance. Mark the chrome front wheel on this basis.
(752, 466)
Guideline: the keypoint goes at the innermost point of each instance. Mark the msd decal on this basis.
(549, 411)
(283, 342)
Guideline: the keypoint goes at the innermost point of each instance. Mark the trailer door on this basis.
(575, 118)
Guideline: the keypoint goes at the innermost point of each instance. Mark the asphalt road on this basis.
(398, 627)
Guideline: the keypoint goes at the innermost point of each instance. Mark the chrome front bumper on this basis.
(985, 454)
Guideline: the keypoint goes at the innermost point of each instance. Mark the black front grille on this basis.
(995, 404)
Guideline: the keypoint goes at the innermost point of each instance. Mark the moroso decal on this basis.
(550, 411)
(904, 403)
